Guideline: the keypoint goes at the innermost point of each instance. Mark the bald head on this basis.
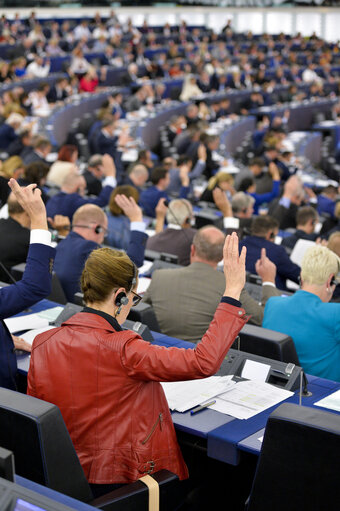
(139, 175)
(89, 213)
(207, 245)
(73, 182)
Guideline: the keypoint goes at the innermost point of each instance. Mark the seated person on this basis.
(89, 227)
(12, 167)
(199, 285)
(14, 237)
(306, 219)
(71, 195)
(263, 231)
(312, 322)
(327, 200)
(119, 225)
(285, 208)
(65, 164)
(248, 185)
(222, 180)
(35, 283)
(137, 176)
(160, 180)
(116, 375)
(177, 238)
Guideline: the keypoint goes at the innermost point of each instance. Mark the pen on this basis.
(202, 407)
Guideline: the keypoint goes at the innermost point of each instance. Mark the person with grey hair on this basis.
(176, 239)
(185, 299)
(242, 205)
(312, 322)
(137, 176)
(95, 173)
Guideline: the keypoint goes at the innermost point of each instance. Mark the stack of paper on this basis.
(240, 400)
(183, 395)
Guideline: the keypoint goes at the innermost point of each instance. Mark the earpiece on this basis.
(121, 299)
(98, 229)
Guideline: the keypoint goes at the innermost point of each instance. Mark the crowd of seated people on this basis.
(153, 201)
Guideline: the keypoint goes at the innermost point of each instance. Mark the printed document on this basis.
(248, 398)
(183, 395)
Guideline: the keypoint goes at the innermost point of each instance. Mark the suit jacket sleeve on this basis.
(267, 292)
(252, 307)
(34, 285)
(136, 247)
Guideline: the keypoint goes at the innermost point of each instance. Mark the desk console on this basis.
(279, 374)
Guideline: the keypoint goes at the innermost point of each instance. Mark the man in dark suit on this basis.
(263, 231)
(39, 152)
(70, 197)
(36, 281)
(14, 237)
(306, 219)
(58, 91)
(88, 232)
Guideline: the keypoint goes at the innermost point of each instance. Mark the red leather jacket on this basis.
(106, 384)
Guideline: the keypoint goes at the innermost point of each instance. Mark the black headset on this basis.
(121, 298)
(98, 229)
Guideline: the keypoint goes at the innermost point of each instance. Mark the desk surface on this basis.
(226, 437)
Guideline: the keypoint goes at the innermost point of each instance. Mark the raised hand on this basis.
(234, 266)
(129, 207)
(29, 198)
(265, 268)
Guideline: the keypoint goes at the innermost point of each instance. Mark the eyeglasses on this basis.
(135, 299)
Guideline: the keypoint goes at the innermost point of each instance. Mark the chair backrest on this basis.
(298, 466)
(267, 343)
(57, 293)
(35, 432)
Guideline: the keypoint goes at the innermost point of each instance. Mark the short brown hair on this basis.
(105, 271)
(128, 191)
(304, 214)
(262, 224)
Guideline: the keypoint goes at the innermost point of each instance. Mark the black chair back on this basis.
(35, 432)
(298, 466)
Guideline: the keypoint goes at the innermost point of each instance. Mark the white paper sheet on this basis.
(332, 401)
(31, 334)
(28, 322)
(248, 398)
(255, 370)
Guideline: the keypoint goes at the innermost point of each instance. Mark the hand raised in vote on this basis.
(234, 266)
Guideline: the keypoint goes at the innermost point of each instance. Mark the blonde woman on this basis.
(312, 322)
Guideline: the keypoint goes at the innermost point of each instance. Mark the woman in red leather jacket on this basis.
(105, 380)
